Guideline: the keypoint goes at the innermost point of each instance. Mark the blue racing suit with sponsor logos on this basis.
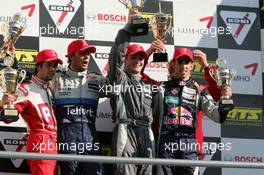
(177, 105)
(76, 97)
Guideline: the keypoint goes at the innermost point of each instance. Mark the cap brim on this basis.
(184, 55)
(141, 52)
(90, 49)
(55, 59)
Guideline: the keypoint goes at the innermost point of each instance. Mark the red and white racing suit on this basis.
(35, 106)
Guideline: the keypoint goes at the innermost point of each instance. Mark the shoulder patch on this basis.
(23, 89)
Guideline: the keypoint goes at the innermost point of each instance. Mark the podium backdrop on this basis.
(230, 29)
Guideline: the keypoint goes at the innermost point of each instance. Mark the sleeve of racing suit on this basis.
(117, 55)
(210, 109)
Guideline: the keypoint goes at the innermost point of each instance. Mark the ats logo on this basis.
(246, 115)
(239, 23)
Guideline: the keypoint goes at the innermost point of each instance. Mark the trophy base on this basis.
(10, 113)
(139, 27)
(160, 57)
(226, 104)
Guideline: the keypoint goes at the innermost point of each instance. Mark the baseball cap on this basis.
(136, 49)
(47, 55)
(80, 45)
(183, 52)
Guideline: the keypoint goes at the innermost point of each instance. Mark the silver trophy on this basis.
(10, 78)
(139, 25)
(223, 77)
(161, 25)
(11, 31)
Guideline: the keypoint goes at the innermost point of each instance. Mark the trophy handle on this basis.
(123, 3)
(233, 73)
(211, 73)
(22, 75)
(169, 25)
(220, 62)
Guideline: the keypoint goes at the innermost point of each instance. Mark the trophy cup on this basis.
(10, 78)
(161, 26)
(139, 25)
(223, 76)
(11, 31)
(9, 81)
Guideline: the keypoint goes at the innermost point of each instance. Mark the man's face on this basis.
(183, 68)
(80, 61)
(47, 71)
(134, 64)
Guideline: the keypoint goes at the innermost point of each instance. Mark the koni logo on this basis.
(14, 142)
(239, 23)
(62, 12)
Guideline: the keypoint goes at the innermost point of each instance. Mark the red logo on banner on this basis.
(209, 19)
(31, 7)
(105, 69)
(253, 66)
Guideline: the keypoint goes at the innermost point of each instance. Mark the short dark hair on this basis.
(40, 64)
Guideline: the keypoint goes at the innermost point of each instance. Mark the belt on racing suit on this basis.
(134, 122)
(53, 135)
(76, 120)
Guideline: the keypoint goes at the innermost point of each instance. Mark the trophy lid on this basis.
(133, 3)
(8, 61)
(221, 62)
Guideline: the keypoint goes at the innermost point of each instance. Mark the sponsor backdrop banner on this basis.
(230, 29)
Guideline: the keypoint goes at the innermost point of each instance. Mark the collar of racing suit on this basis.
(136, 77)
(181, 82)
(39, 82)
(75, 73)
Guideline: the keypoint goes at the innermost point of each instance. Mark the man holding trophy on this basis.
(177, 106)
(33, 100)
(132, 135)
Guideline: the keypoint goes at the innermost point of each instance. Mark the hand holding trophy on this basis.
(9, 77)
(223, 77)
(161, 25)
(139, 25)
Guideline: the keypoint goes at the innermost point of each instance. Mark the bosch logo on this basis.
(111, 17)
(157, 65)
(14, 142)
(238, 21)
(91, 16)
(9, 18)
(247, 159)
(61, 8)
(102, 55)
